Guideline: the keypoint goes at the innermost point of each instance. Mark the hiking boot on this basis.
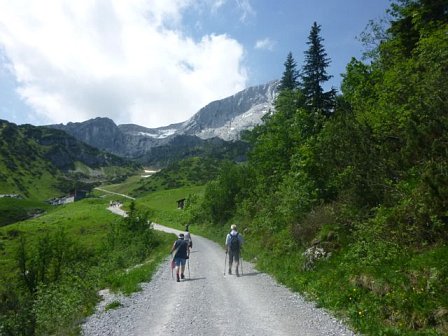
(178, 279)
(182, 276)
(230, 271)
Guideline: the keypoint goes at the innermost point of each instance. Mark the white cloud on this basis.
(217, 4)
(246, 9)
(266, 44)
(127, 60)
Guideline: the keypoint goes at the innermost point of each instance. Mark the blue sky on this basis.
(156, 62)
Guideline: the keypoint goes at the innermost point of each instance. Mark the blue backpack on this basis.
(234, 243)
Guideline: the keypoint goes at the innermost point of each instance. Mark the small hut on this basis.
(181, 203)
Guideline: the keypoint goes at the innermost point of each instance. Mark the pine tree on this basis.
(290, 75)
(314, 74)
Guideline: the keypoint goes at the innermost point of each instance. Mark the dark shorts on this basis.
(234, 256)
(180, 261)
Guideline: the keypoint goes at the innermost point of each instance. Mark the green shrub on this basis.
(58, 306)
(113, 305)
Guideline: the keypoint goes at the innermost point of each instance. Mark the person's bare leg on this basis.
(177, 274)
(182, 270)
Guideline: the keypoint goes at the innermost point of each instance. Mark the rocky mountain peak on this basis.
(221, 119)
(226, 118)
(101, 133)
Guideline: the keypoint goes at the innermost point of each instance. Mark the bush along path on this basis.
(208, 302)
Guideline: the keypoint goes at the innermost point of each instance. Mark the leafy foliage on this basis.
(362, 178)
(52, 269)
(221, 196)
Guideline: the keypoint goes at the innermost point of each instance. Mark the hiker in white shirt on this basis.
(234, 241)
(188, 236)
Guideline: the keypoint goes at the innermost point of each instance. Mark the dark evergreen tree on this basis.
(314, 74)
(290, 75)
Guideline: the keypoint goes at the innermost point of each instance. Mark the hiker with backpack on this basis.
(234, 242)
(181, 252)
(187, 236)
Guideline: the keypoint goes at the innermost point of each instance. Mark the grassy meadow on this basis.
(163, 205)
(14, 210)
(52, 266)
(127, 186)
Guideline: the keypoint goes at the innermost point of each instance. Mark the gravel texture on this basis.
(208, 302)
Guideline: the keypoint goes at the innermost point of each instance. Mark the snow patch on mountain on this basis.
(228, 117)
(220, 120)
(158, 134)
(232, 129)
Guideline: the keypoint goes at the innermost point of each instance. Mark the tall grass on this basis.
(51, 267)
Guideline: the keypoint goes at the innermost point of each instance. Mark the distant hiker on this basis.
(181, 254)
(188, 237)
(234, 241)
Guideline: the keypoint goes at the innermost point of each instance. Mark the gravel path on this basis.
(114, 193)
(211, 303)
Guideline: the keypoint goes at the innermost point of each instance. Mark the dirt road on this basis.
(114, 193)
(211, 303)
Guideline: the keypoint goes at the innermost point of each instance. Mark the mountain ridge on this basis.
(222, 120)
(41, 162)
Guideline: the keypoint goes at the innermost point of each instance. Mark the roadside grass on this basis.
(87, 220)
(129, 280)
(85, 229)
(405, 295)
(113, 305)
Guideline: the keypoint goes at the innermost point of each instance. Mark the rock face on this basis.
(99, 132)
(104, 134)
(224, 119)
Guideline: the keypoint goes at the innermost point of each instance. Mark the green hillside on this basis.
(344, 197)
(195, 171)
(52, 267)
(23, 167)
(14, 210)
(183, 147)
(39, 163)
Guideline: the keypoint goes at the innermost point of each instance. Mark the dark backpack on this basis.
(234, 243)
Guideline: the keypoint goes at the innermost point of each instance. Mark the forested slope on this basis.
(344, 197)
(40, 163)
